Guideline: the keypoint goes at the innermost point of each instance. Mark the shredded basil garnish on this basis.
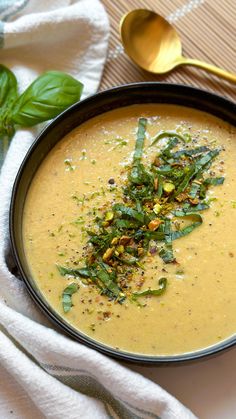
(66, 296)
(147, 219)
(168, 134)
(214, 181)
(84, 273)
(162, 287)
(107, 276)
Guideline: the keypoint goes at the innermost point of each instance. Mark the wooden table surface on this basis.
(208, 32)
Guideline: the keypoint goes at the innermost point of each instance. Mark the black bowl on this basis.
(54, 132)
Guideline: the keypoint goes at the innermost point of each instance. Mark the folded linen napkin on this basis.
(44, 373)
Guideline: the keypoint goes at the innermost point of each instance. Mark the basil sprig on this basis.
(50, 94)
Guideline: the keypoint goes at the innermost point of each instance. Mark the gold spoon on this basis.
(153, 44)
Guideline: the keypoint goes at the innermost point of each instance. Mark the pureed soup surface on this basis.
(74, 191)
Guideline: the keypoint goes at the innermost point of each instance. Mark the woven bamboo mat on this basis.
(208, 32)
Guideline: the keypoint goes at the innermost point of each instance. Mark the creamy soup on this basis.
(136, 249)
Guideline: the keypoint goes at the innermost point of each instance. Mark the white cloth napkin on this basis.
(44, 373)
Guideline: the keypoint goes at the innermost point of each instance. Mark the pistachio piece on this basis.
(109, 216)
(168, 188)
(120, 249)
(157, 208)
(108, 254)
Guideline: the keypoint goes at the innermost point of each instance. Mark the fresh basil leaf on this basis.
(162, 287)
(50, 94)
(66, 296)
(8, 88)
(8, 94)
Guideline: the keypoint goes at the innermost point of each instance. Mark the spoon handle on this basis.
(212, 68)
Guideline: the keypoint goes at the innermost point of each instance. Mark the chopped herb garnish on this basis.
(186, 230)
(67, 296)
(83, 155)
(180, 272)
(169, 134)
(107, 276)
(162, 286)
(68, 163)
(83, 272)
(78, 221)
(214, 181)
(118, 142)
(160, 203)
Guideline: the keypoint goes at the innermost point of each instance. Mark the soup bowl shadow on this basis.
(138, 93)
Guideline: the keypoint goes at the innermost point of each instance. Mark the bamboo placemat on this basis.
(208, 32)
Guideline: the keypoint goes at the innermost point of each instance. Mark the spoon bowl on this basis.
(150, 41)
(155, 46)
